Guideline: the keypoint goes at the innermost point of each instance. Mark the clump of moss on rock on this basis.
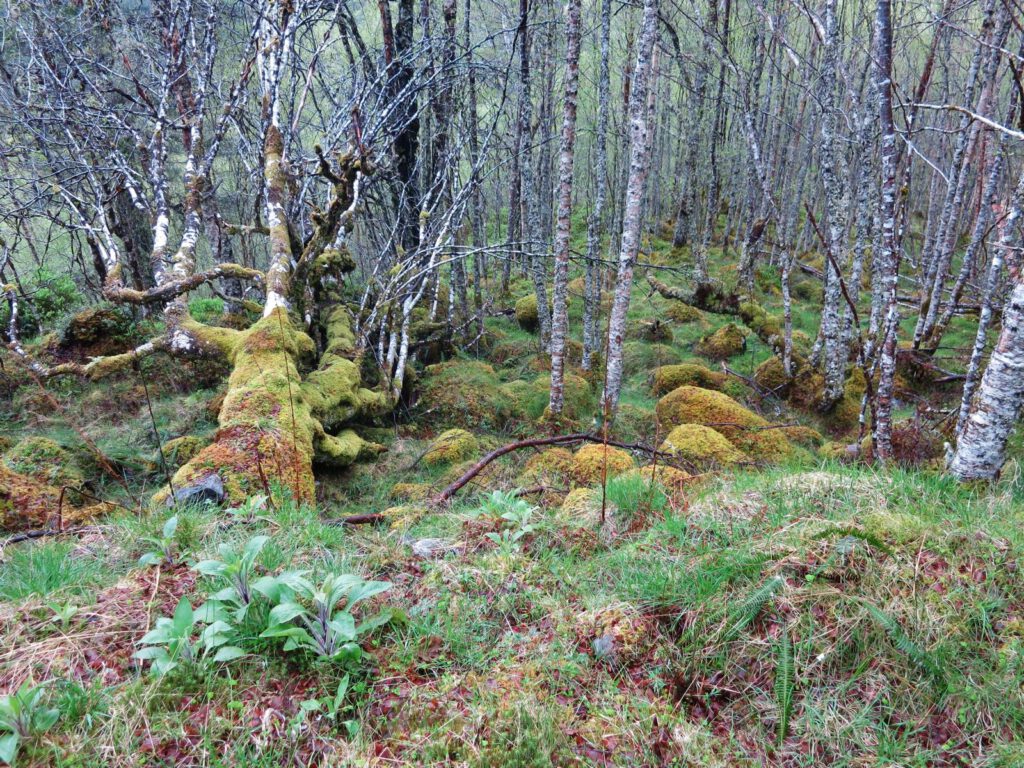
(669, 377)
(45, 460)
(588, 465)
(771, 375)
(451, 447)
(654, 331)
(740, 426)
(577, 393)
(180, 450)
(410, 492)
(701, 446)
(465, 393)
(553, 464)
(25, 502)
(728, 341)
(683, 313)
(526, 313)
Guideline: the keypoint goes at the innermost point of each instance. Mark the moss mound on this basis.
(805, 436)
(771, 374)
(581, 502)
(578, 395)
(701, 446)
(654, 331)
(25, 502)
(588, 465)
(526, 313)
(728, 341)
(97, 332)
(465, 393)
(682, 313)
(671, 478)
(640, 356)
(741, 427)
(45, 460)
(455, 445)
(768, 328)
(180, 450)
(552, 465)
(410, 492)
(669, 377)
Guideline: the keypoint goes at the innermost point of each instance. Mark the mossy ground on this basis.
(651, 638)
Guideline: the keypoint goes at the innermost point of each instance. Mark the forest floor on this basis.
(810, 613)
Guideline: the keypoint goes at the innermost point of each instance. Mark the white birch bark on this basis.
(560, 309)
(639, 165)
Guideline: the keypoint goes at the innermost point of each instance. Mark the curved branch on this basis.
(171, 290)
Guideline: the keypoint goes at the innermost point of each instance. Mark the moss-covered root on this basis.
(270, 426)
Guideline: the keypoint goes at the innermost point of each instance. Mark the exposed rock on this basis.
(209, 490)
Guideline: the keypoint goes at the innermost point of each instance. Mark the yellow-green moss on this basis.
(682, 313)
(450, 447)
(25, 502)
(701, 446)
(465, 393)
(180, 450)
(669, 377)
(741, 427)
(728, 341)
(590, 461)
(553, 465)
(771, 375)
(806, 436)
(768, 328)
(526, 313)
(45, 460)
(410, 492)
(578, 397)
(581, 502)
(654, 331)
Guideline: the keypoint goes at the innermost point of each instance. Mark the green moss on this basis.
(654, 331)
(741, 427)
(551, 466)
(728, 341)
(594, 461)
(467, 394)
(682, 313)
(701, 446)
(180, 450)
(410, 492)
(453, 446)
(669, 377)
(45, 460)
(771, 375)
(526, 313)
(579, 400)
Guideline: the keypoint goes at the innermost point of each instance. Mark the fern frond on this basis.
(785, 681)
(902, 642)
(748, 610)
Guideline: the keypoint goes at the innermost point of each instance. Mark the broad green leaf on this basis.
(228, 653)
(170, 527)
(9, 748)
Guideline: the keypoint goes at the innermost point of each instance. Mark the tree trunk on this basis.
(560, 314)
(639, 164)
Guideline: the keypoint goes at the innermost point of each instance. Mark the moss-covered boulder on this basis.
(740, 426)
(701, 446)
(654, 331)
(464, 393)
(526, 313)
(451, 447)
(594, 461)
(728, 341)
(180, 450)
(581, 502)
(771, 375)
(45, 460)
(767, 327)
(805, 436)
(683, 313)
(578, 396)
(669, 377)
(26, 503)
(552, 465)
(640, 356)
(98, 331)
(670, 478)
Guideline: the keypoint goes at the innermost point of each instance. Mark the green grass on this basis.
(48, 568)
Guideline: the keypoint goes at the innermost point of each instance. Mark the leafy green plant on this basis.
(183, 638)
(63, 613)
(309, 618)
(235, 568)
(330, 706)
(515, 514)
(23, 714)
(163, 545)
(247, 511)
